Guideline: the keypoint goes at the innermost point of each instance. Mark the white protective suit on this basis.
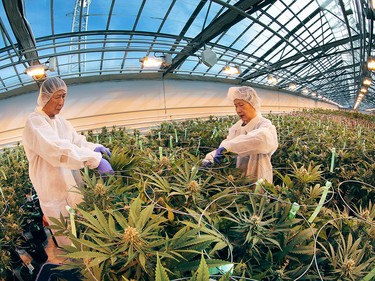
(56, 152)
(254, 144)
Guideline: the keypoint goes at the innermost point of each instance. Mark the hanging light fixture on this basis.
(292, 86)
(232, 69)
(367, 80)
(360, 97)
(156, 61)
(272, 79)
(371, 10)
(363, 89)
(371, 63)
(356, 104)
(36, 71)
(148, 61)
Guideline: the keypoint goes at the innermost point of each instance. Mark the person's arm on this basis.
(231, 134)
(78, 139)
(258, 141)
(81, 141)
(44, 141)
(209, 157)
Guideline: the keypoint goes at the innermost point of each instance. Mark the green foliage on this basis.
(201, 274)
(162, 218)
(349, 256)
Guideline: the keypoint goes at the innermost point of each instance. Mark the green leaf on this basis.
(135, 210)
(121, 220)
(202, 273)
(218, 246)
(102, 220)
(142, 261)
(92, 221)
(144, 217)
(96, 245)
(160, 273)
(86, 254)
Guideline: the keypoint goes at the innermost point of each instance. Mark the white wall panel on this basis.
(140, 103)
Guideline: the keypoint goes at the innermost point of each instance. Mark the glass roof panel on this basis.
(133, 33)
(242, 41)
(124, 15)
(177, 19)
(97, 15)
(184, 11)
(152, 15)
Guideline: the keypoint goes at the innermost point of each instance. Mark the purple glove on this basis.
(205, 165)
(105, 168)
(219, 157)
(103, 150)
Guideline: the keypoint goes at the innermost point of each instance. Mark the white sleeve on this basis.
(43, 140)
(79, 139)
(210, 157)
(258, 141)
(231, 134)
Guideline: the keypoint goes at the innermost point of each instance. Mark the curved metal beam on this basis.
(216, 27)
(268, 28)
(322, 49)
(21, 29)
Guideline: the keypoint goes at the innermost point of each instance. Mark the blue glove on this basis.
(105, 168)
(103, 150)
(205, 165)
(219, 157)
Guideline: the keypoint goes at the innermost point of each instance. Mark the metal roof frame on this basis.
(320, 59)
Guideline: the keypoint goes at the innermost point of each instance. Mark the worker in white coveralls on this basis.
(253, 138)
(56, 152)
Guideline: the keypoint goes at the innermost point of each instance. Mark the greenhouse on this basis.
(187, 140)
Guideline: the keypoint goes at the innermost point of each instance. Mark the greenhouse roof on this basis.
(315, 48)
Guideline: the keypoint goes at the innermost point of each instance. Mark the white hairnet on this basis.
(245, 93)
(49, 87)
